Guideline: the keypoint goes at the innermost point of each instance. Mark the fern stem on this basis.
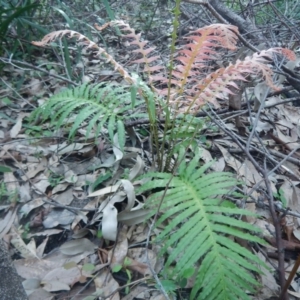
(168, 122)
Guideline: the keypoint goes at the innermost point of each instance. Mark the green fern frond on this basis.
(98, 106)
(200, 230)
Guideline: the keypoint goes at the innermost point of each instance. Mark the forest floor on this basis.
(51, 188)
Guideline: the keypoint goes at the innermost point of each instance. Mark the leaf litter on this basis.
(51, 191)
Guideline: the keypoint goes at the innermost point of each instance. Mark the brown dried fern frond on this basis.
(193, 58)
(191, 87)
(218, 83)
(149, 58)
(87, 44)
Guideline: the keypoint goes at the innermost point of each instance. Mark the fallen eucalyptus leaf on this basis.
(133, 217)
(77, 246)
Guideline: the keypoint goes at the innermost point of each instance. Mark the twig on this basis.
(13, 62)
(263, 171)
(290, 278)
(54, 203)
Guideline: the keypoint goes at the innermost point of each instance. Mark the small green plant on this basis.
(117, 268)
(280, 196)
(55, 179)
(25, 231)
(8, 196)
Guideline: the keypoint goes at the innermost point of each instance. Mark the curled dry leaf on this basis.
(137, 169)
(133, 217)
(106, 190)
(17, 127)
(116, 148)
(109, 222)
(129, 190)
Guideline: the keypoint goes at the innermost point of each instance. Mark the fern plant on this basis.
(200, 229)
(200, 226)
(185, 87)
(100, 107)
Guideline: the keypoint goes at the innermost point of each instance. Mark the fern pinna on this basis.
(98, 106)
(200, 229)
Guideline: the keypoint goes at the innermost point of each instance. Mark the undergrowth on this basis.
(201, 227)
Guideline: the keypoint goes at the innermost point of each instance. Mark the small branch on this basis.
(291, 276)
(15, 63)
(264, 172)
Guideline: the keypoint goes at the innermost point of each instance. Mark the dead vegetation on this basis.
(60, 195)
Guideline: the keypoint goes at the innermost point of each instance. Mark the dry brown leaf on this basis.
(26, 251)
(75, 247)
(139, 259)
(6, 223)
(17, 127)
(42, 182)
(106, 190)
(64, 198)
(39, 294)
(54, 285)
(245, 170)
(60, 188)
(35, 168)
(269, 286)
(108, 285)
(116, 256)
(133, 217)
(290, 138)
(28, 207)
(58, 217)
(11, 182)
